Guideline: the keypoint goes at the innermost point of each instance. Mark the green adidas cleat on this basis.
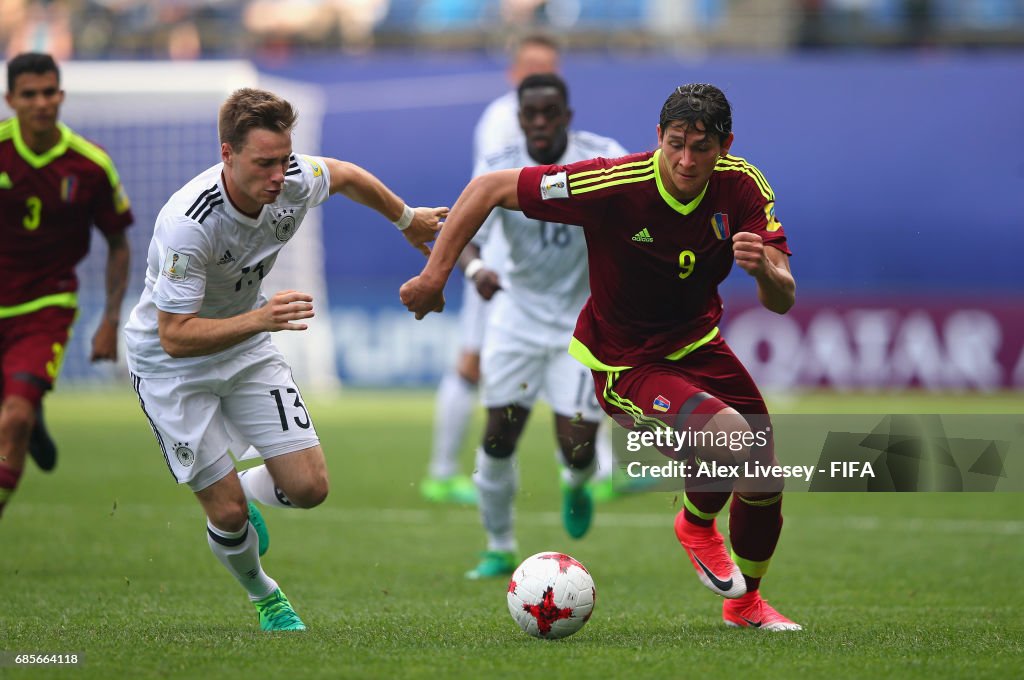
(458, 489)
(256, 520)
(493, 564)
(577, 510)
(603, 490)
(276, 613)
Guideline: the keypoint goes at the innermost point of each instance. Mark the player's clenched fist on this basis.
(748, 250)
(421, 297)
(487, 283)
(286, 307)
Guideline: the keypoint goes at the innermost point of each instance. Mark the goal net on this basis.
(158, 121)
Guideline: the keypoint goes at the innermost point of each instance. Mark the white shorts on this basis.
(248, 400)
(523, 360)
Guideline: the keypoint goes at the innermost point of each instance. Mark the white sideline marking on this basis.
(469, 517)
(659, 521)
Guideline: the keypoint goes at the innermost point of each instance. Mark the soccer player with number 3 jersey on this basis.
(54, 185)
(207, 375)
(663, 229)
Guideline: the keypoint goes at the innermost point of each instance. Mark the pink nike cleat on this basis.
(706, 549)
(750, 611)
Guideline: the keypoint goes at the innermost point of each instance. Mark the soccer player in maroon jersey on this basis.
(663, 229)
(54, 185)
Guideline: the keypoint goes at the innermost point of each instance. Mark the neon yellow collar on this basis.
(673, 202)
(39, 160)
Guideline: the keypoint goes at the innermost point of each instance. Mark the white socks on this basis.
(452, 412)
(238, 551)
(497, 480)
(575, 478)
(603, 448)
(258, 485)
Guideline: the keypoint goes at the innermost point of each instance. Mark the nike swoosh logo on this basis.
(719, 583)
(751, 623)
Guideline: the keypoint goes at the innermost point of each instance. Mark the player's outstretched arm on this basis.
(423, 294)
(104, 341)
(188, 335)
(419, 228)
(776, 287)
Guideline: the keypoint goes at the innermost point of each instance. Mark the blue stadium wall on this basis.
(899, 178)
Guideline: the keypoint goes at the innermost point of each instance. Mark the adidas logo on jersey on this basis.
(226, 257)
(643, 236)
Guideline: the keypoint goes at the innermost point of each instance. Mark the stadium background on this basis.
(890, 130)
(887, 128)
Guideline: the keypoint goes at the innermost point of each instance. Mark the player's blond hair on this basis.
(250, 108)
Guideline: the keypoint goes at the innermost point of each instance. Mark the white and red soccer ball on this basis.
(551, 595)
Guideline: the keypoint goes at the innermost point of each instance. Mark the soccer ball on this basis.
(551, 595)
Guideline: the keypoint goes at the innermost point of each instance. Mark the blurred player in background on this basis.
(663, 229)
(54, 185)
(497, 128)
(207, 375)
(529, 327)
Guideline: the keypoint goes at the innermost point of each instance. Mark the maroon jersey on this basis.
(48, 203)
(655, 263)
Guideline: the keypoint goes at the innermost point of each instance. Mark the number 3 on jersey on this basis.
(687, 261)
(35, 208)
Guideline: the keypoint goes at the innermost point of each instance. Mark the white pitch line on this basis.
(663, 521)
(469, 517)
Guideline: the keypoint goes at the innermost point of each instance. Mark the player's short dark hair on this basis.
(698, 103)
(537, 38)
(30, 62)
(248, 109)
(544, 80)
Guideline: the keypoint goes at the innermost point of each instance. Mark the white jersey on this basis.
(209, 259)
(547, 273)
(497, 129)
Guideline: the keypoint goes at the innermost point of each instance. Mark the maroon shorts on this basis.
(684, 393)
(32, 349)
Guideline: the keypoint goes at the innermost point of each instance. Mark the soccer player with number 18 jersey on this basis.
(54, 185)
(663, 229)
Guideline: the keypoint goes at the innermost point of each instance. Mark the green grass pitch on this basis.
(108, 557)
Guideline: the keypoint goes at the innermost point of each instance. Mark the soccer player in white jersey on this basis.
(208, 377)
(497, 128)
(528, 331)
